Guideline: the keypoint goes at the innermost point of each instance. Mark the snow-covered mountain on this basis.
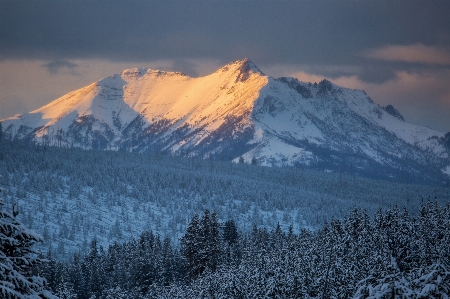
(238, 111)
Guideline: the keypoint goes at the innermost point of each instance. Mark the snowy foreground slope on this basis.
(238, 111)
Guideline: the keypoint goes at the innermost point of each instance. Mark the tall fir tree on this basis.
(190, 246)
(17, 257)
(214, 242)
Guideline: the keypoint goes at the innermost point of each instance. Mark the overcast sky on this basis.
(397, 51)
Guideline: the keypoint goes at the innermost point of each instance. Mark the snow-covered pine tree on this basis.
(434, 281)
(213, 242)
(48, 269)
(200, 244)
(93, 270)
(167, 263)
(230, 250)
(64, 289)
(230, 234)
(17, 258)
(148, 259)
(190, 243)
(204, 246)
(392, 285)
(76, 274)
(118, 293)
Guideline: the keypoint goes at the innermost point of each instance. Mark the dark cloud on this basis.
(56, 66)
(377, 73)
(316, 32)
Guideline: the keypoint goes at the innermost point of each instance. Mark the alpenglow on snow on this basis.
(239, 112)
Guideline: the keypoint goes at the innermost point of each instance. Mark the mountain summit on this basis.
(236, 112)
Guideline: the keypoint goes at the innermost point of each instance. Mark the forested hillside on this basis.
(72, 196)
(390, 255)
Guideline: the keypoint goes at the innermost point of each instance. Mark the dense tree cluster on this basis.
(201, 245)
(392, 255)
(71, 196)
(129, 268)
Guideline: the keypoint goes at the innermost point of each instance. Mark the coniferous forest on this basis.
(72, 196)
(126, 225)
(391, 255)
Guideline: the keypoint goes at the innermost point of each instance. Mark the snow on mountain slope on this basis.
(322, 121)
(363, 106)
(155, 97)
(238, 111)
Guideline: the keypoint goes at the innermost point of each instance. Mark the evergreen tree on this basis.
(119, 293)
(92, 270)
(205, 242)
(230, 234)
(64, 289)
(214, 242)
(145, 269)
(200, 246)
(167, 264)
(48, 269)
(434, 281)
(190, 246)
(76, 276)
(17, 258)
(350, 258)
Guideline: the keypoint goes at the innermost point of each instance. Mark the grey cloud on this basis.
(377, 73)
(417, 53)
(300, 32)
(56, 66)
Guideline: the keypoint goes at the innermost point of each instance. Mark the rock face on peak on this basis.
(238, 112)
(242, 69)
(394, 112)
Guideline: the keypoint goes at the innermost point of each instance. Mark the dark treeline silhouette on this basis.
(390, 255)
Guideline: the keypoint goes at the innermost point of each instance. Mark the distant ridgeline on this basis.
(389, 255)
(71, 196)
(237, 112)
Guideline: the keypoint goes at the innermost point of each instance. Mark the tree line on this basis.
(389, 255)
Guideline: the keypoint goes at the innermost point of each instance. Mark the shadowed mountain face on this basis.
(238, 111)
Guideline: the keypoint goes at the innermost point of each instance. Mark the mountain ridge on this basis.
(238, 111)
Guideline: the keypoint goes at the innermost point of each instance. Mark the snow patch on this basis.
(446, 170)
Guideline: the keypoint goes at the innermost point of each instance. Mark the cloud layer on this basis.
(417, 53)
